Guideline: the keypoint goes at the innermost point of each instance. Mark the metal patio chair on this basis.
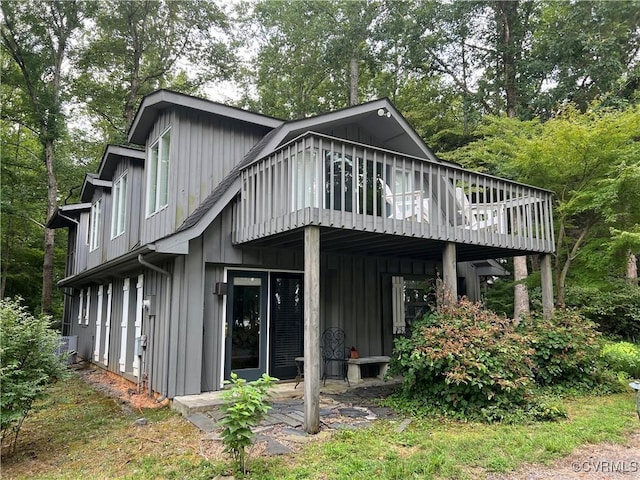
(334, 355)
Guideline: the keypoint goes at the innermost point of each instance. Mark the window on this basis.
(94, 225)
(158, 174)
(119, 215)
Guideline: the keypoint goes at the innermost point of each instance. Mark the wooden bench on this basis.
(354, 374)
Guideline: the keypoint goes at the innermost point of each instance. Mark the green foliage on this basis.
(615, 308)
(467, 362)
(465, 358)
(138, 47)
(623, 357)
(244, 407)
(28, 364)
(566, 347)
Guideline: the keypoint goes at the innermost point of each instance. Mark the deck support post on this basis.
(312, 329)
(546, 280)
(449, 273)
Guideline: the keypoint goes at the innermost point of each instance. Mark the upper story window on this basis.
(119, 215)
(94, 225)
(158, 174)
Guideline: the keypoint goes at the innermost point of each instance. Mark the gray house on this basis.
(225, 241)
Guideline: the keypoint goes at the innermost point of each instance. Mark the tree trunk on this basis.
(632, 268)
(354, 80)
(521, 292)
(5, 257)
(508, 18)
(49, 233)
(561, 275)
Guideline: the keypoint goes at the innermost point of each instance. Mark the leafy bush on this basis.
(244, 407)
(623, 357)
(28, 363)
(465, 361)
(465, 358)
(616, 310)
(567, 349)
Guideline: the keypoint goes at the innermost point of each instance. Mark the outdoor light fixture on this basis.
(383, 112)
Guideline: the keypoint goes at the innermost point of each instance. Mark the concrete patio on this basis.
(189, 404)
(342, 407)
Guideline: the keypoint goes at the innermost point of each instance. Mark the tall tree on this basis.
(582, 51)
(592, 163)
(37, 36)
(312, 56)
(144, 45)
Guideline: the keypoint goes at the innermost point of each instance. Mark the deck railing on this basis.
(320, 180)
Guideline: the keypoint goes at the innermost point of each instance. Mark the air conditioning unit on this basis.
(68, 347)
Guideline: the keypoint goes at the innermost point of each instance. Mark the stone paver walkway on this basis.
(284, 424)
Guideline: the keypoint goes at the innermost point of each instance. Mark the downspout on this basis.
(167, 324)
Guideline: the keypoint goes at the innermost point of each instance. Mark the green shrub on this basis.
(465, 358)
(616, 310)
(244, 407)
(623, 357)
(28, 364)
(567, 349)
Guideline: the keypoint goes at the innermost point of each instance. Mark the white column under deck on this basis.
(124, 324)
(546, 280)
(96, 349)
(138, 324)
(107, 326)
(312, 329)
(449, 273)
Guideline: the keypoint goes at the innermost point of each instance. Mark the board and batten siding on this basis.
(134, 209)
(154, 327)
(99, 255)
(355, 133)
(355, 292)
(203, 151)
(186, 322)
(81, 245)
(84, 331)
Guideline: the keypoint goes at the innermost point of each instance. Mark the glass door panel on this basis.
(246, 324)
(287, 324)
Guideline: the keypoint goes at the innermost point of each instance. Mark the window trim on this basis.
(119, 205)
(94, 225)
(155, 204)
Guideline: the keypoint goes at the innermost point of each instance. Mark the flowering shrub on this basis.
(466, 358)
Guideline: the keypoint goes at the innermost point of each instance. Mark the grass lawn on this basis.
(79, 433)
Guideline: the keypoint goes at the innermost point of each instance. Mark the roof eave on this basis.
(162, 99)
(112, 154)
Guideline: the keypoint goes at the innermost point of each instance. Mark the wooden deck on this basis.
(336, 184)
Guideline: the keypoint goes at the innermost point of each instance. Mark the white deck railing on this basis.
(319, 180)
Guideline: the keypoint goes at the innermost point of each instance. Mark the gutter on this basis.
(167, 325)
(104, 269)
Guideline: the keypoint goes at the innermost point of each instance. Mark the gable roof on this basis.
(159, 100)
(91, 183)
(112, 154)
(67, 215)
(383, 121)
